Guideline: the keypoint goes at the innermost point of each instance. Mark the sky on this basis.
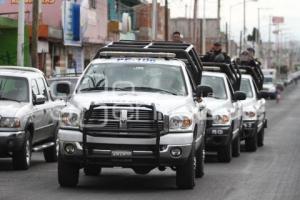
(289, 9)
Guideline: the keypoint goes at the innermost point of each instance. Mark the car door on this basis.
(38, 114)
(260, 105)
(49, 125)
(236, 105)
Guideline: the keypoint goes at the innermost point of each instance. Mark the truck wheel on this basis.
(68, 174)
(22, 158)
(225, 153)
(185, 174)
(251, 142)
(261, 137)
(236, 146)
(200, 157)
(141, 170)
(51, 153)
(92, 170)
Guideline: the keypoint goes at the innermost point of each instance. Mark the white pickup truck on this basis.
(139, 110)
(225, 111)
(254, 116)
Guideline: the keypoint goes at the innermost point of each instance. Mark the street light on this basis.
(258, 28)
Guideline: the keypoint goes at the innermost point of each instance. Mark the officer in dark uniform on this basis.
(216, 55)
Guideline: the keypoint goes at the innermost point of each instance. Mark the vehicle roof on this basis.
(217, 74)
(17, 71)
(159, 61)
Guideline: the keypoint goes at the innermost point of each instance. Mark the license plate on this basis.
(121, 154)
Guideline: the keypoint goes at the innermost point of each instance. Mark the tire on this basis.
(251, 143)
(22, 158)
(68, 174)
(51, 153)
(185, 174)
(225, 153)
(92, 170)
(141, 170)
(261, 137)
(236, 146)
(200, 157)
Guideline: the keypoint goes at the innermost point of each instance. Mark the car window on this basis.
(34, 87)
(14, 89)
(140, 77)
(246, 87)
(42, 88)
(217, 84)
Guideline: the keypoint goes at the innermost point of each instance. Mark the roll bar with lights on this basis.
(182, 51)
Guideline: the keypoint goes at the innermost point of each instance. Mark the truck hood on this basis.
(11, 108)
(214, 105)
(164, 102)
(248, 102)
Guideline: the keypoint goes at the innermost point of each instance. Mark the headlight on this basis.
(221, 119)
(70, 120)
(10, 122)
(180, 122)
(250, 114)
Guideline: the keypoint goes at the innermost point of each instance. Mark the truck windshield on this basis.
(134, 77)
(217, 84)
(246, 87)
(14, 89)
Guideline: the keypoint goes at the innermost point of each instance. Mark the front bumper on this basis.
(249, 128)
(11, 141)
(217, 136)
(125, 152)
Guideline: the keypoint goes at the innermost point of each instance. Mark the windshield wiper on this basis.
(9, 99)
(149, 89)
(101, 89)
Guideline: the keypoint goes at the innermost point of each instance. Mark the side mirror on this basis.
(263, 94)
(203, 91)
(39, 99)
(60, 90)
(239, 96)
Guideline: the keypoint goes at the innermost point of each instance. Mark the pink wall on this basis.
(51, 11)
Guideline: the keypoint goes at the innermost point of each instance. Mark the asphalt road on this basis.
(273, 172)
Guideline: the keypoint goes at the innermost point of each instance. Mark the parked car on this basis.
(225, 110)
(28, 116)
(138, 108)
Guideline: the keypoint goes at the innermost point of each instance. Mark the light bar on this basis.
(28, 69)
(137, 54)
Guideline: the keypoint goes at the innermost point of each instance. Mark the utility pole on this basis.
(154, 19)
(20, 46)
(204, 28)
(195, 20)
(269, 43)
(166, 21)
(244, 25)
(219, 18)
(35, 27)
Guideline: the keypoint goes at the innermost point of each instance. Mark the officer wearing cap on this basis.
(216, 54)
